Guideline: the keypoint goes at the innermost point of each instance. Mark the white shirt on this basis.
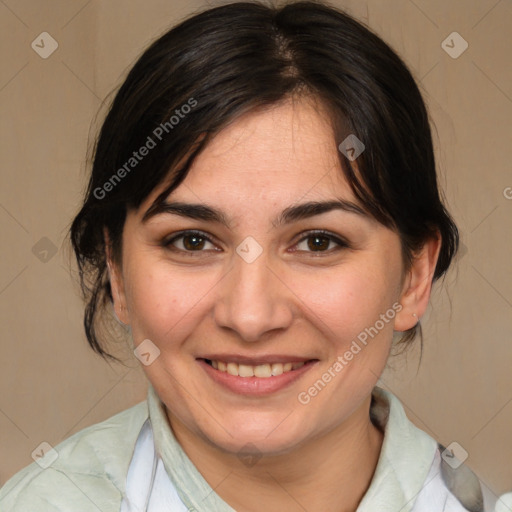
(398, 483)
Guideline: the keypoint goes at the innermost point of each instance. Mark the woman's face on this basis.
(260, 290)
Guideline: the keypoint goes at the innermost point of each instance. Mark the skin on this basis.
(291, 300)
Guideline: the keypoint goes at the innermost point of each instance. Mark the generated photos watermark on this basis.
(151, 142)
(304, 397)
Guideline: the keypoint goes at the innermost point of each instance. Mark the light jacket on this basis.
(89, 471)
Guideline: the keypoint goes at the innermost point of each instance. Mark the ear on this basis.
(116, 282)
(417, 285)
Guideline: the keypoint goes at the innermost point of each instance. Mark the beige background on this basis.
(53, 385)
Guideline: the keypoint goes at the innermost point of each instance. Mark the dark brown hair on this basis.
(232, 59)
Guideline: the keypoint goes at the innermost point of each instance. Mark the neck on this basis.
(331, 472)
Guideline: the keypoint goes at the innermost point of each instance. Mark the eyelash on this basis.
(308, 234)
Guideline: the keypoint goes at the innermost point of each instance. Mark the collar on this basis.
(406, 457)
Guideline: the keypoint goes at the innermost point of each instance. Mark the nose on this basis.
(252, 300)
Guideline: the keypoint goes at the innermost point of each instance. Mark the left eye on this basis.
(319, 242)
(190, 242)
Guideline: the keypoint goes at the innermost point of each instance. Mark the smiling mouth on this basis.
(266, 370)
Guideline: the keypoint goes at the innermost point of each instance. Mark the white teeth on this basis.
(232, 369)
(277, 369)
(245, 370)
(263, 371)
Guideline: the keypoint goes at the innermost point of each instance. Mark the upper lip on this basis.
(255, 361)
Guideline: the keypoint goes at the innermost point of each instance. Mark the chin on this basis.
(270, 436)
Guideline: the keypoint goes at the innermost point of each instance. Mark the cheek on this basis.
(165, 305)
(352, 298)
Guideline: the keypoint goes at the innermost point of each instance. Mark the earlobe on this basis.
(418, 285)
(119, 303)
(116, 283)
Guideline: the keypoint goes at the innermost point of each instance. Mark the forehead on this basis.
(291, 143)
(282, 154)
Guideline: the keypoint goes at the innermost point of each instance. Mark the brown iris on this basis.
(193, 242)
(318, 242)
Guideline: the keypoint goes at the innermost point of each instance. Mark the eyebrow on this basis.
(287, 216)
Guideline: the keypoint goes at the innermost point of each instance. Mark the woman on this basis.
(263, 215)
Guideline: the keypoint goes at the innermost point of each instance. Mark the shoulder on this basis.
(466, 487)
(450, 486)
(418, 471)
(85, 472)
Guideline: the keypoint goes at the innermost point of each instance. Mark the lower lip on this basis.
(255, 386)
